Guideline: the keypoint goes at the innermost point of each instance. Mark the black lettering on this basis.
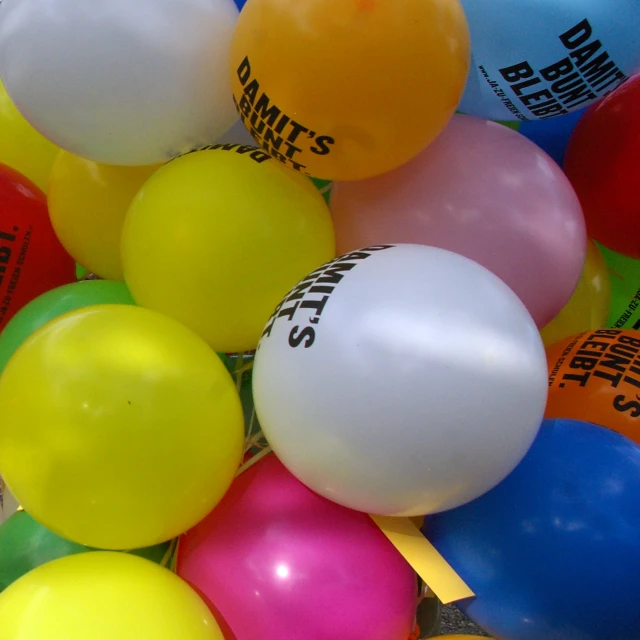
(519, 88)
(244, 71)
(621, 404)
(555, 71)
(251, 91)
(267, 111)
(632, 342)
(617, 77)
(244, 106)
(5, 255)
(520, 71)
(578, 96)
(323, 143)
(272, 139)
(598, 69)
(574, 377)
(317, 305)
(297, 337)
(577, 35)
(543, 111)
(289, 312)
(591, 344)
(296, 130)
(615, 362)
(632, 381)
(291, 150)
(334, 273)
(614, 380)
(568, 83)
(260, 156)
(532, 98)
(585, 364)
(7, 236)
(584, 54)
(282, 123)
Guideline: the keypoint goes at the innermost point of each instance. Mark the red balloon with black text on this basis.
(32, 260)
(595, 377)
(603, 164)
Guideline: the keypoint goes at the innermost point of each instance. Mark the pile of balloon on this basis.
(315, 312)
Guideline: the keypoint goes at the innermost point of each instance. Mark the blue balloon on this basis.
(536, 59)
(552, 135)
(553, 552)
(240, 3)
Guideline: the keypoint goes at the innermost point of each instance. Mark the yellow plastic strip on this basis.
(252, 461)
(424, 558)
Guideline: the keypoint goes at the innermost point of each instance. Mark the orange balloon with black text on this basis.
(348, 89)
(595, 377)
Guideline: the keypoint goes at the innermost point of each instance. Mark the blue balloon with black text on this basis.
(553, 552)
(552, 135)
(537, 59)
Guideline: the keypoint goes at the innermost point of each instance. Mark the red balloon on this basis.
(603, 164)
(32, 260)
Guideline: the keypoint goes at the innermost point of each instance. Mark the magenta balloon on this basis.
(279, 562)
(486, 192)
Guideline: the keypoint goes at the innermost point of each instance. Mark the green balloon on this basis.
(54, 303)
(26, 544)
(624, 274)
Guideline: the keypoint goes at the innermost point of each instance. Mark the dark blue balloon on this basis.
(240, 3)
(552, 135)
(553, 552)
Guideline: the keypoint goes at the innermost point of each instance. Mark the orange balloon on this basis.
(348, 89)
(595, 377)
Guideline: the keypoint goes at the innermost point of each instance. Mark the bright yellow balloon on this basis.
(120, 427)
(88, 203)
(348, 89)
(21, 147)
(216, 238)
(104, 596)
(588, 308)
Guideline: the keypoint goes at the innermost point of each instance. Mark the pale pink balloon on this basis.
(275, 561)
(483, 191)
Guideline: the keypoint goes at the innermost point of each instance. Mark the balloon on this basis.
(102, 596)
(552, 551)
(54, 303)
(217, 237)
(347, 90)
(32, 260)
(589, 305)
(595, 376)
(87, 204)
(624, 276)
(603, 164)
(552, 135)
(120, 82)
(382, 371)
(127, 418)
(25, 545)
(486, 192)
(272, 542)
(23, 148)
(81, 272)
(546, 58)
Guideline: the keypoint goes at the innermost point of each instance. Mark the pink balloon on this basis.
(483, 191)
(279, 562)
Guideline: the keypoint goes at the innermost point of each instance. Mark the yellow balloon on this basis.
(120, 427)
(21, 147)
(456, 637)
(104, 596)
(348, 89)
(216, 238)
(88, 203)
(588, 308)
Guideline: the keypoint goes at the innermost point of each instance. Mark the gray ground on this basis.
(453, 621)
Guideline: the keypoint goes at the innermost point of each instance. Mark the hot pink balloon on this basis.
(484, 191)
(279, 562)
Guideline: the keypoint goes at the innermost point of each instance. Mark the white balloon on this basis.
(124, 82)
(401, 380)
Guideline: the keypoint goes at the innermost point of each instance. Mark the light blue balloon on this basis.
(537, 59)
